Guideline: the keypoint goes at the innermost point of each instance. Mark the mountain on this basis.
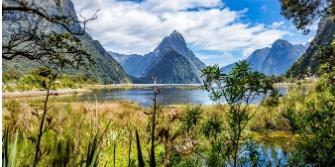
(122, 58)
(275, 60)
(142, 67)
(104, 70)
(131, 63)
(257, 59)
(177, 42)
(325, 34)
(281, 57)
(173, 68)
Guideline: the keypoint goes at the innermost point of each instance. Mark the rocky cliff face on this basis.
(145, 66)
(105, 69)
(275, 60)
(325, 34)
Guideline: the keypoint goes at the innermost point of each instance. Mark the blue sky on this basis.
(218, 31)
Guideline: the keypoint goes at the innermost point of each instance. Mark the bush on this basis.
(316, 143)
(31, 81)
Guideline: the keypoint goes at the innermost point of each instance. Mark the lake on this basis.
(143, 96)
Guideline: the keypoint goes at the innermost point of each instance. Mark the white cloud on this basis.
(277, 24)
(129, 27)
(177, 5)
(225, 58)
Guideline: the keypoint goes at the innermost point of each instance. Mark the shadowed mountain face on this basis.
(172, 47)
(275, 60)
(172, 68)
(325, 34)
(104, 70)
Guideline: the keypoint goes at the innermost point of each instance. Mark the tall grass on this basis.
(68, 128)
(9, 149)
(76, 133)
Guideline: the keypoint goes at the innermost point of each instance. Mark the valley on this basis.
(184, 83)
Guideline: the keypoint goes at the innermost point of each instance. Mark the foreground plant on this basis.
(237, 89)
(48, 78)
(9, 152)
(316, 124)
(139, 150)
(153, 124)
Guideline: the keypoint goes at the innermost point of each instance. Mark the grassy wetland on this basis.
(119, 133)
(70, 127)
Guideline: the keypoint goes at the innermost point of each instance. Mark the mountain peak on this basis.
(170, 62)
(176, 37)
(274, 60)
(176, 34)
(280, 43)
(175, 41)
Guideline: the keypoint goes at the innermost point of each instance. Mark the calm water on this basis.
(143, 96)
(268, 156)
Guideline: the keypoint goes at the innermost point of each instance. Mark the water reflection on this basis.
(263, 155)
(143, 96)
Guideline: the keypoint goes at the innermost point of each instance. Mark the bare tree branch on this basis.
(27, 38)
(63, 21)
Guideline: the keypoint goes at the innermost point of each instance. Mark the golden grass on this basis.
(77, 120)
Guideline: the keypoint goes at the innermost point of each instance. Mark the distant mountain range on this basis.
(171, 62)
(325, 34)
(105, 70)
(275, 60)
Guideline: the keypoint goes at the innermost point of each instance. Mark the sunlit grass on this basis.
(71, 126)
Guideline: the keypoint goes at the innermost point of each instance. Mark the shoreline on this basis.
(121, 86)
(37, 93)
(90, 88)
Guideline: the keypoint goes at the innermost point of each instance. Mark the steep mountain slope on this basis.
(177, 42)
(105, 69)
(325, 34)
(172, 68)
(140, 66)
(256, 60)
(275, 60)
(281, 57)
(122, 58)
(130, 63)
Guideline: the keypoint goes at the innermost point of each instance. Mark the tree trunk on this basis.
(153, 122)
(166, 153)
(114, 154)
(139, 151)
(41, 128)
